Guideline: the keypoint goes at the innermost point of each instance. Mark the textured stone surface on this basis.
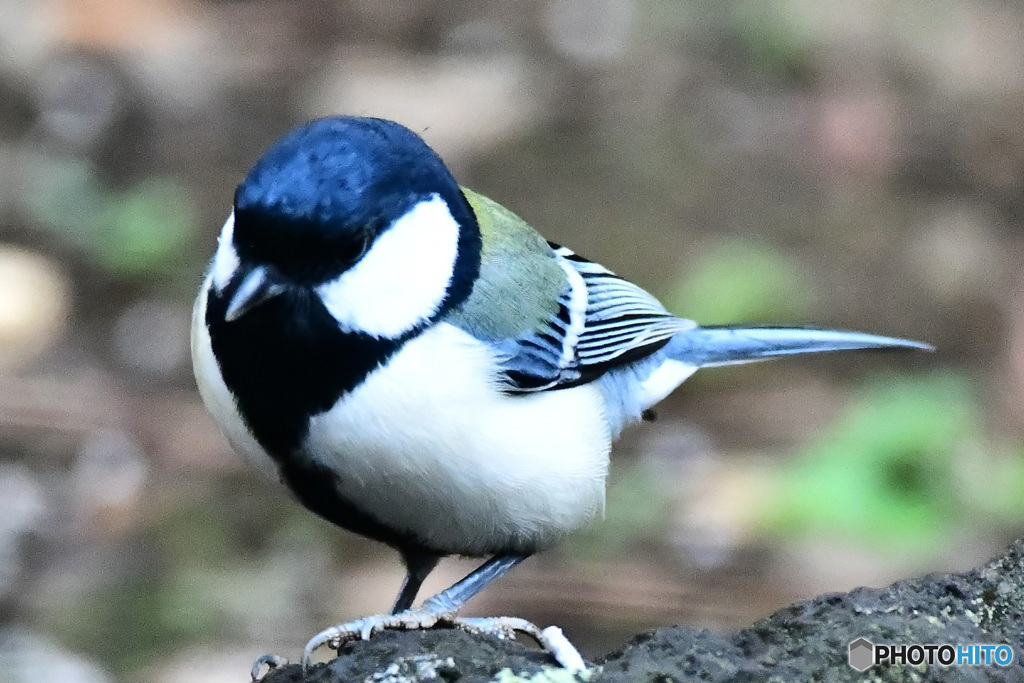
(806, 641)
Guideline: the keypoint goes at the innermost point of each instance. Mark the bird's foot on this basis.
(270, 661)
(362, 629)
(551, 638)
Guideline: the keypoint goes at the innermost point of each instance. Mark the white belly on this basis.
(426, 446)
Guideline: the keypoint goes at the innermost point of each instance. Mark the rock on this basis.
(806, 641)
(432, 655)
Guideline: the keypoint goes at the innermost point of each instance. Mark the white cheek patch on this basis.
(225, 261)
(402, 279)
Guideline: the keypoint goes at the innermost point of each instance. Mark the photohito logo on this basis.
(865, 654)
(862, 654)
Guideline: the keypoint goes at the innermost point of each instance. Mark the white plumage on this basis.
(402, 279)
(225, 261)
(432, 446)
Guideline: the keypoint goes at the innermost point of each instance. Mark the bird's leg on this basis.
(451, 600)
(418, 567)
(441, 609)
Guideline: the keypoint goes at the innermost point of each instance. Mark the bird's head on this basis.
(359, 212)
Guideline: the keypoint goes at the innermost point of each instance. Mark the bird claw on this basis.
(551, 638)
(363, 629)
(271, 661)
(505, 628)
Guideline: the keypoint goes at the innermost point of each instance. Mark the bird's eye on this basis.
(354, 250)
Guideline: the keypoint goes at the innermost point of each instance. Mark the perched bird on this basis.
(417, 365)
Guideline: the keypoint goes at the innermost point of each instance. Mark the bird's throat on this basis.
(286, 361)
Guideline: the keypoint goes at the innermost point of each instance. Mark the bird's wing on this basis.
(603, 321)
(556, 319)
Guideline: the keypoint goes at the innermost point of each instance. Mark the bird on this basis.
(416, 364)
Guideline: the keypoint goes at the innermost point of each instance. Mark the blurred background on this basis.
(844, 163)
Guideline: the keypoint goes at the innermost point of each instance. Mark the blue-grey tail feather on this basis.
(711, 346)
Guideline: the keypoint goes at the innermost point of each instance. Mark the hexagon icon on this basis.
(862, 654)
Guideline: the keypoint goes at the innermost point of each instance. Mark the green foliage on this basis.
(896, 469)
(741, 281)
(144, 228)
(777, 37)
(120, 623)
(136, 232)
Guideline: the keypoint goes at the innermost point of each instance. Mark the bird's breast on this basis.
(410, 444)
(429, 445)
(287, 360)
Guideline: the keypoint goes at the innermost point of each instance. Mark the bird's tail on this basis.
(712, 346)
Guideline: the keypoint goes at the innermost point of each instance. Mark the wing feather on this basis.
(572, 321)
(603, 321)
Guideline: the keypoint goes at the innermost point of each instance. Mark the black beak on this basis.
(257, 287)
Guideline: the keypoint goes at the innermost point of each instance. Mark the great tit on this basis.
(416, 364)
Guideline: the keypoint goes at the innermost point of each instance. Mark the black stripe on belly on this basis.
(287, 360)
(316, 487)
